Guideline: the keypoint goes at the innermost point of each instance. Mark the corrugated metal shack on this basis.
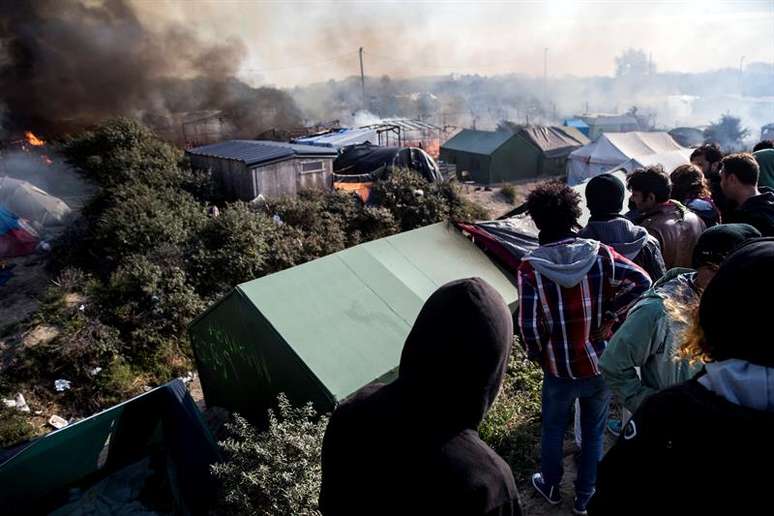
(248, 168)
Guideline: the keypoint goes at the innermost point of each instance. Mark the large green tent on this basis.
(320, 331)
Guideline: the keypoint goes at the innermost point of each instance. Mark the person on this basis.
(412, 446)
(689, 187)
(572, 293)
(704, 446)
(707, 157)
(739, 179)
(765, 159)
(675, 227)
(649, 338)
(763, 144)
(604, 199)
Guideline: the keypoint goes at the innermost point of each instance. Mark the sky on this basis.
(292, 43)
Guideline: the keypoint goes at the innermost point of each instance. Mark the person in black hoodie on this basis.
(412, 446)
(705, 446)
(739, 179)
(604, 199)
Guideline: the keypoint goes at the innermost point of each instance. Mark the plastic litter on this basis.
(57, 422)
(188, 378)
(62, 385)
(95, 371)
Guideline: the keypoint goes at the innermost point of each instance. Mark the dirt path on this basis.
(19, 296)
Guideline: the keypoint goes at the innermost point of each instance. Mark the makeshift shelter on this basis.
(612, 149)
(339, 138)
(600, 123)
(99, 465)
(17, 238)
(29, 202)
(578, 124)
(249, 168)
(687, 136)
(496, 157)
(367, 162)
(320, 331)
(669, 160)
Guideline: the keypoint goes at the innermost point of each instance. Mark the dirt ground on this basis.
(493, 201)
(19, 296)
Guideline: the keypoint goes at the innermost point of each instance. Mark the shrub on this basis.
(14, 426)
(276, 472)
(509, 192)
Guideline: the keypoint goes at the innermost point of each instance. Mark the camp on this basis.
(31, 203)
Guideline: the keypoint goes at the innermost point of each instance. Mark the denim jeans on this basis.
(559, 395)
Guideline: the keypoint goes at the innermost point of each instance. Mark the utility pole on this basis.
(741, 76)
(362, 79)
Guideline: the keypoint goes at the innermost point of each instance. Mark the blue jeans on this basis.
(559, 395)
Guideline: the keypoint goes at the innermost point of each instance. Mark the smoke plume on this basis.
(68, 64)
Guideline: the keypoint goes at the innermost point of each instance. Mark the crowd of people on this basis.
(657, 308)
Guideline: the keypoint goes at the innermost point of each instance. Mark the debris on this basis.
(95, 371)
(419, 193)
(62, 385)
(57, 422)
(82, 308)
(21, 403)
(187, 378)
(146, 388)
(44, 246)
(277, 219)
(38, 412)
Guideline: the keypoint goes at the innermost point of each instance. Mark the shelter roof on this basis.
(575, 122)
(553, 139)
(477, 142)
(340, 137)
(252, 152)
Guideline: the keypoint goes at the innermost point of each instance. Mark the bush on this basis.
(509, 192)
(14, 426)
(276, 472)
(123, 150)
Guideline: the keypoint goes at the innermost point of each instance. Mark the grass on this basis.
(509, 192)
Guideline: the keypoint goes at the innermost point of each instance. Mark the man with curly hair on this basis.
(572, 293)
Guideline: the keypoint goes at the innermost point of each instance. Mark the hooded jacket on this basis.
(758, 211)
(649, 339)
(765, 159)
(629, 240)
(677, 229)
(569, 291)
(412, 446)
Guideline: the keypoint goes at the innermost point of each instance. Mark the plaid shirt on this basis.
(558, 324)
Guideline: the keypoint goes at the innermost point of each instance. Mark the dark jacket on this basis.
(629, 240)
(677, 229)
(689, 451)
(412, 446)
(758, 211)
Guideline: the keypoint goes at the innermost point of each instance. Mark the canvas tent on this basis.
(367, 162)
(612, 149)
(95, 465)
(17, 238)
(320, 331)
(31, 203)
(669, 160)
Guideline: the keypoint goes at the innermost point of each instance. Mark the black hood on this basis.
(455, 357)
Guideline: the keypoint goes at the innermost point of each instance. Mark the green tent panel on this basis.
(320, 331)
(162, 426)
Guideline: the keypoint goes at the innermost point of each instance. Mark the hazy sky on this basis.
(289, 43)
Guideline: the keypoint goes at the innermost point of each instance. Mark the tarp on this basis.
(363, 190)
(163, 424)
(31, 203)
(554, 141)
(17, 238)
(377, 163)
(324, 329)
(669, 160)
(613, 149)
(338, 138)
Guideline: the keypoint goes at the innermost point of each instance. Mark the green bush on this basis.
(509, 192)
(276, 472)
(14, 426)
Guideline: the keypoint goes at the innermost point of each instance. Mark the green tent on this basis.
(100, 465)
(320, 331)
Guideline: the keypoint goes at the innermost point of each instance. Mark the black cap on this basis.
(605, 196)
(717, 242)
(733, 317)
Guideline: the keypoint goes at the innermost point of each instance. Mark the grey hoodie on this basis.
(742, 383)
(619, 233)
(565, 262)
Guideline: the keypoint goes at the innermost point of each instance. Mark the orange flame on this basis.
(33, 140)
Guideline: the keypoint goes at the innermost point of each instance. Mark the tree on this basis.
(632, 63)
(727, 132)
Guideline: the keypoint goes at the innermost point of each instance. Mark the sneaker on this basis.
(614, 426)
(579, 504)
(550, 493)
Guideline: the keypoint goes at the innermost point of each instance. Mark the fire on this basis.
(32, 139)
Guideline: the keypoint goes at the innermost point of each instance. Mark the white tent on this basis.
(31, 203)
(669, 160)
(612, 149)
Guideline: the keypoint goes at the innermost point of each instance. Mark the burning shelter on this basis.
(491, 157)
(249, 168)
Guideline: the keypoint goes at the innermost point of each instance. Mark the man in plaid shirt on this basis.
(572, 293)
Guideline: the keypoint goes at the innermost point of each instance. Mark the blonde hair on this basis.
(692, 343)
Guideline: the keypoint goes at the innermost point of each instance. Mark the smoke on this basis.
(68, 64)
